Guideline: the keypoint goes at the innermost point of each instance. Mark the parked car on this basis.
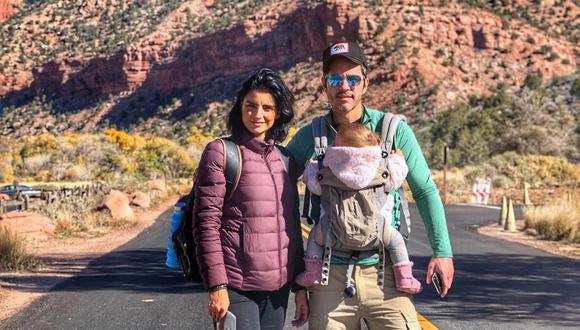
(11, 190)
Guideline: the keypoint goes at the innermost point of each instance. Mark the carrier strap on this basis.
(389, 128)
(326, 257)
(320, 139)
(405, 228)
(319, 131)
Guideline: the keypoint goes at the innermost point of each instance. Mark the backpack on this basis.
(182, 238)
(354, 229)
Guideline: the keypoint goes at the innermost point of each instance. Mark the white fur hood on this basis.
(355, 167)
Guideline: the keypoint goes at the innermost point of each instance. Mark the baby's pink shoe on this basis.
(311, 276)
(404, 279)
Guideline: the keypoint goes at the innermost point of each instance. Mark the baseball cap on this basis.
(349, 50)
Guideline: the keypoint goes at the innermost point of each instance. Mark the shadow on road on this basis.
(131, 270)
(508, 288)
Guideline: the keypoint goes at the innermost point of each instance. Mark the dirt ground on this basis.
(558, 248)
(62, 258)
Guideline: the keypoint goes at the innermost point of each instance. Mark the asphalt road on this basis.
(498, 285)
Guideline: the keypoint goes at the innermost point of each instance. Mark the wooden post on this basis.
(527, 200)
(26, 202)
(2, 206)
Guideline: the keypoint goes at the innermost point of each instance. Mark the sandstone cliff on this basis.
(7, 9)
(424, 57)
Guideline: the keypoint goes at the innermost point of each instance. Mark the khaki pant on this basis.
(381, 309)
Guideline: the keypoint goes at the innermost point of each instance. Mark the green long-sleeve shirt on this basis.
(419, 178)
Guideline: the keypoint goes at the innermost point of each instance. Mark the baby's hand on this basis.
(398, 152)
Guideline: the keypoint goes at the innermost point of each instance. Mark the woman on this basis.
(249, 244)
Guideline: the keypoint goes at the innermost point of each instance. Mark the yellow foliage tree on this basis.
(125, 141)
(166, 156)
(6, 173)
(34, 145)
(548, 167)
(197, 137)
(71, 138)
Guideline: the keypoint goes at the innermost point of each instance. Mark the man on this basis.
(345, 81)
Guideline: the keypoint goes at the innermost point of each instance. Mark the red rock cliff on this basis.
(6, 10)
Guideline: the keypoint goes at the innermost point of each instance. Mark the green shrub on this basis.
(575, 90)
(511, 169)
(528, 122)
(533, 81)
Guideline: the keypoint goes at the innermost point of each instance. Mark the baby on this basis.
(354, 159)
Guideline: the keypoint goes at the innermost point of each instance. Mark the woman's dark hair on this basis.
(268, 81)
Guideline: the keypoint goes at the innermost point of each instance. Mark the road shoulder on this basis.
(558, 248)
(64, 258)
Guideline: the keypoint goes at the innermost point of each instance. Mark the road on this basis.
(499, 285)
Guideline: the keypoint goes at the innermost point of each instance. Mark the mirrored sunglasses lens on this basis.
(334, 80)
(353, 80)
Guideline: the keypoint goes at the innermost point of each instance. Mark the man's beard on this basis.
(346, 107)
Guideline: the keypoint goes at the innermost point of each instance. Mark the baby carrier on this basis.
(351, 226)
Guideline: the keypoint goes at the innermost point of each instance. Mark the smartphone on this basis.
(228, 322)
(436, 280)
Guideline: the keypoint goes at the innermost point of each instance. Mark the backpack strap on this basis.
(390, 123)
(320, 139)
(232, 165)
(320, 144)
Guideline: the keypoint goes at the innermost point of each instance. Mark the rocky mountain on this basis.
(7, 9)
(162, 66)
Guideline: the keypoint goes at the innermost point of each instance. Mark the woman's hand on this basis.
(302, 310)
(219, 302)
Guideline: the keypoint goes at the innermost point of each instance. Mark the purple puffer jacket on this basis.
(253, 240)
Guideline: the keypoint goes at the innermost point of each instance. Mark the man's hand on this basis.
(302, 310)
(219, 302)
(444, 267)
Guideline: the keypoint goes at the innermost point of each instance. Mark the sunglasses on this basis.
(335, 80)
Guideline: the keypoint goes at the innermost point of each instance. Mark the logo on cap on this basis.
(339, 49)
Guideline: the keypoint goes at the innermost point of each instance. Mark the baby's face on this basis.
(342, 141)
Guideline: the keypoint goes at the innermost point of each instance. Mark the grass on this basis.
(75, 216)
(559, 221)
(79, 217)
(13, 256)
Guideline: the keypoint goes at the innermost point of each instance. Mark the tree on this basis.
(534, 123)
